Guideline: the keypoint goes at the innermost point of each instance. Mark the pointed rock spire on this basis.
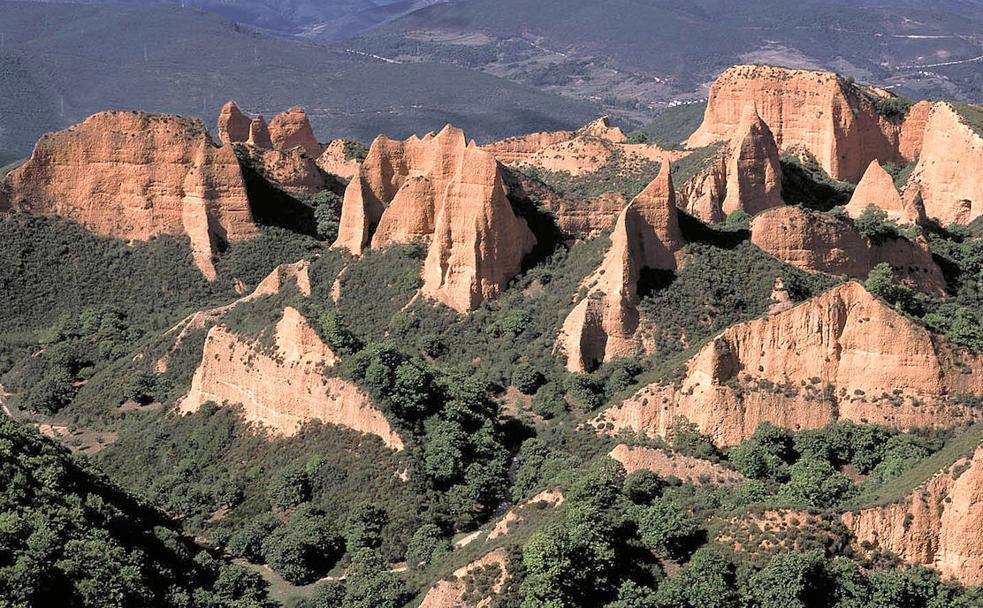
(233, 125)
(876, 188)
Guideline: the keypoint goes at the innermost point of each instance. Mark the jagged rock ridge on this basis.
(448, 194)
(844, 355)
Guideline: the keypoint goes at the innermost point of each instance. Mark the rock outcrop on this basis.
(939, 524)
(282, 386)
(949, 174)
(291, 129)
(259, 133)
(233, 125)
(842, 355)
(670, 464)
(820, 242)
(452, 592)
(602, 326)
(746, 175)
(133, 176)
(877, 189)
(336, 160)
(446, 193)
(819, 113)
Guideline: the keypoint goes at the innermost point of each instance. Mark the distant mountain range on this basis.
(633, 56)
(494, 67)
(61, 62)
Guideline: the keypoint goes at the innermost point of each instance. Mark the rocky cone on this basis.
(602, 326)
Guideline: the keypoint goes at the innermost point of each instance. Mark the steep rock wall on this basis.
(133, 175)
(940, 524)
(816, 112)
(283, 386)
(842, 355)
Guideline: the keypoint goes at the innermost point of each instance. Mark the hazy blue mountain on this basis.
(63, 62)
(636, 54)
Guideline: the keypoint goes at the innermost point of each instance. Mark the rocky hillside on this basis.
(565, 368)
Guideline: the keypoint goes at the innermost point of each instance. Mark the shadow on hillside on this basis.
(274, 207)
(695, 231)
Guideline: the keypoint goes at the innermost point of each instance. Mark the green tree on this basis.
(667, 529)
(791, 580)
(427, 544)
(708, 580)
(369, 583)
(643, 486)
(816, 483)
(363, 528)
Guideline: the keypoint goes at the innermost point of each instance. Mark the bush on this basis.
(526, 379)
(427, 544)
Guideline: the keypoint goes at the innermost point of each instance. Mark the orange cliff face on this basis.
(133, 176)
(807, 111)
(647, 235)
(819, 242)
(939, 524)
(445, 193)
(843, 355)
(746, 176)
(949, 173)
(283, 386)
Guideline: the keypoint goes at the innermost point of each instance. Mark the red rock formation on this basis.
(647, 235)
(842, 355)
(233, 125)
(133, 176)
(335, 161)
(939, 524)
(451, 592)
(746, 175)
(949, 174)
(445, 192)
(284, 387)
(816, 112)
(877, 189)
(670, 464)
(601, 128)
(819, 242)
(291, 129)
(291, 170)
(259, 133)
